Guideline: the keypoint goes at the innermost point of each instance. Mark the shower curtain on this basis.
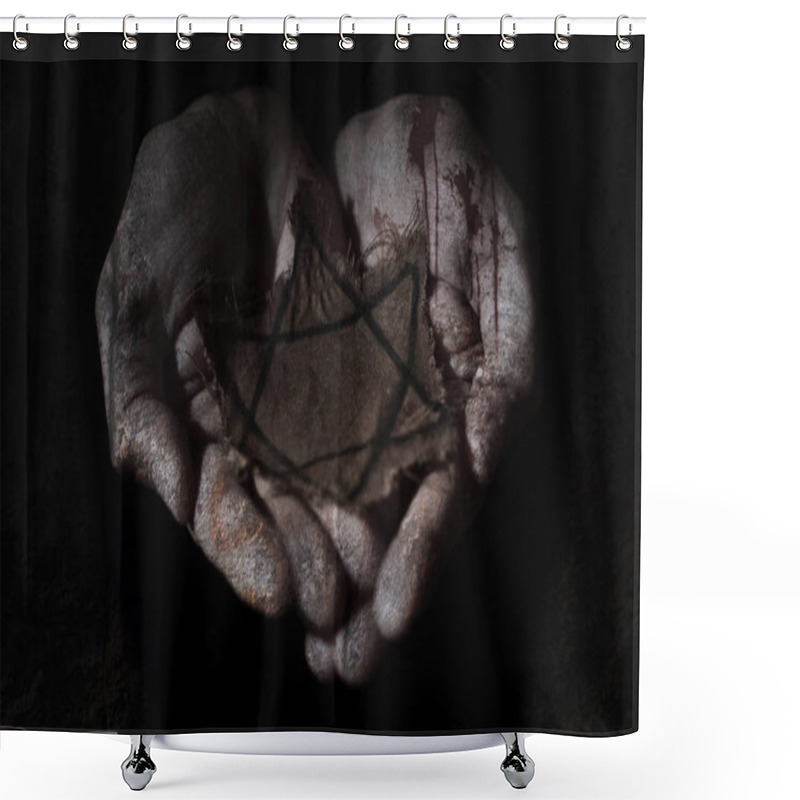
(320, 385)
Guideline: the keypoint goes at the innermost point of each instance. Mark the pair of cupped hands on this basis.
(357, 574)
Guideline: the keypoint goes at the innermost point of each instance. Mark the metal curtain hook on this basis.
(129, 42)
(234, 43)
(623, 44)
(20, 42)
(289, 42)
(182, 42)
(71, 42)
(507, 42)
(346, 42)
(451, 42)
(401, 42)
(561, 42)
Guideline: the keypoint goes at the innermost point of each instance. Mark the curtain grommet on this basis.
(71, 43)
(20, 43)
(401, 42)
(346, 42)
(182, 42)
(623, 44)
(234, 43)
(451, 42)
(290, 43)
(561, 43)
(507, 42)
(129, 42)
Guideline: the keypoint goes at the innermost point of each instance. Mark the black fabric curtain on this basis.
(323, 412)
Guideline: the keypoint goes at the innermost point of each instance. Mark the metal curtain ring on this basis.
(561, 42)
(129, 42)
(346, 42)
(182, 42)
(71, 42)
(234, 43)
(451, 42)
(289, 42)
(401, 42)
(20, 42)
(507, 42)
(623, 43)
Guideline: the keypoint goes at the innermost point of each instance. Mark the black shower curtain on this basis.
(320, 385)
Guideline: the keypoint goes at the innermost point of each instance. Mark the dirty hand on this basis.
(214, 231)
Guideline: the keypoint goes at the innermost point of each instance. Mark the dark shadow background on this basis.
(111, 618)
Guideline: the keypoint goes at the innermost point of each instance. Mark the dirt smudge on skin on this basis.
(384, 222)
(423, 133)
(462, 182)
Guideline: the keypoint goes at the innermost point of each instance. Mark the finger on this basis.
(152, 442)
(352, 653)
(197, 377)
(507, 326)
(147, 436)
(318, 577)
(319, 656)
(355, 541)
(357, 646)
(434, 515)
(240, 541)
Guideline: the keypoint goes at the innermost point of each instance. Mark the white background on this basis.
(720, 447)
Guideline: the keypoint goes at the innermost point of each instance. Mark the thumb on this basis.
(148, 436)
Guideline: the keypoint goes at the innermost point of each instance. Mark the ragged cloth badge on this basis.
(354, 350)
